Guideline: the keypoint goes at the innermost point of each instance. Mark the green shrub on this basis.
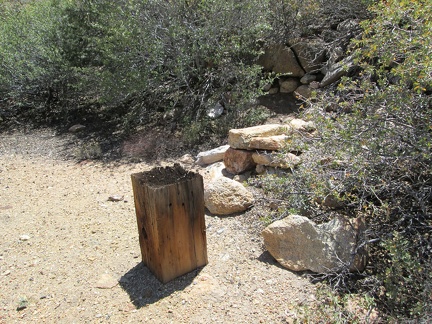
(135, 61)
(296, 18)
(373, 154)
(407, 281)
(30, 63)
(174, 59)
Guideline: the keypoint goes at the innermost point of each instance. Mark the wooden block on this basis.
(169, 204)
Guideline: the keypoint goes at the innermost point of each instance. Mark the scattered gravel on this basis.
(70, 254)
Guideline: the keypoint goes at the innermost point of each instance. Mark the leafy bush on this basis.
(30, 63)
(295, 18)
(373, 156)
(198, 54)
(137, 61)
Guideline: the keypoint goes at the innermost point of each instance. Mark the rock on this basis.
(284, 161)
(281, 59)
(206, 287)
(336, 71)
(267, 87)
(24, 237)
(215, 111)
(273, 90)
(308, 78)
(241, 138)
(346, 233)
(23, 304)
(271, 143)
(225, 196)
(212, 156)
(106, 282)
(76, 128)
(186, 160)
(115, 198)
(298, 244)
(314, 85)
(348, 26)
(242, 177)
(238, 161)
(335, 54)
(260, 169)
(225, 257)
(212, 172)
(300, 125)
(311, 53)
(332, 202)
(303, 92)
(288, 85)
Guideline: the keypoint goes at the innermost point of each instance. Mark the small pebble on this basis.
(115, 198)
(106, 282)
(24, 237)
(23, 303)
(225, 257)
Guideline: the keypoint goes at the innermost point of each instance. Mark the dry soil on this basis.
(70, 255)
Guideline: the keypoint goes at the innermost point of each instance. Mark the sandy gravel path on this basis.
(68, 255)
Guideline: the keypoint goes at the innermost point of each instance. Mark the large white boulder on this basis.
(298, 244)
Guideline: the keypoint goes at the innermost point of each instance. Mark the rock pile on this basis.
(307, 64)
(249, 149)
(296, 242)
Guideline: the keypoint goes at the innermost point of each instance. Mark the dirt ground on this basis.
(70, 255)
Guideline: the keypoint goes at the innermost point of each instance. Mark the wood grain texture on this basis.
(171, 224)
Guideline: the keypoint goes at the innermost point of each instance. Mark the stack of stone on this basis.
(259, 148)
(296, 242)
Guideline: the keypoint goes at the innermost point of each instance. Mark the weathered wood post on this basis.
(169, 204)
